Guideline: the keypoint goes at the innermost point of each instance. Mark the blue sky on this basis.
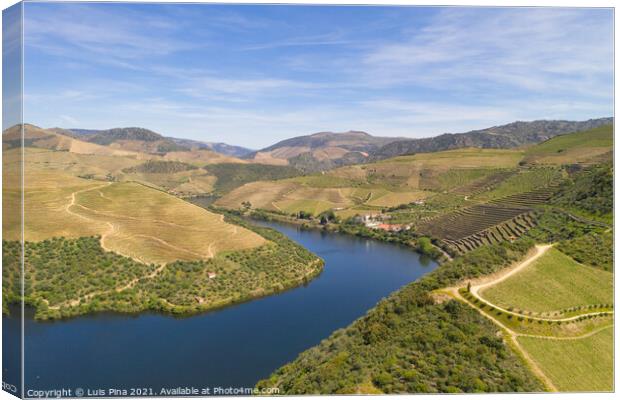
(253, 75)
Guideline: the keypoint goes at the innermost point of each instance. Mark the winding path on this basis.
(113, 229)
(72, 203)
(507, 273)
(511, 334)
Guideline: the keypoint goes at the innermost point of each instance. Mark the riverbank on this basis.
(59, 285)
(420, 244)
(233, 346)
(420, 336)
(403, 344)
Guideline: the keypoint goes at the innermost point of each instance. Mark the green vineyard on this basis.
(529, 199)
(502, 219)
(506, 230)
(482, 185)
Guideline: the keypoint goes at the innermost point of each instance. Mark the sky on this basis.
(253, 75)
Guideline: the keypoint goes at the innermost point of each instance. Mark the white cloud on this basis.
(538, 50)
(105, 33)
(70, 120)
(462, 69)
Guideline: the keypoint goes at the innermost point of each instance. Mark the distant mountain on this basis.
(151, 142)
(218, 147)
(57, 139)
(132, 138)
(80, 131)
(512, 135)
(321, 151)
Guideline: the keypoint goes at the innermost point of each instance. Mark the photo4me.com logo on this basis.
(144, 392)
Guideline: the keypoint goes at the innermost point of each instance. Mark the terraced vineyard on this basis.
(484, 184)
(502, 219)
(526, 200)
(507, 230)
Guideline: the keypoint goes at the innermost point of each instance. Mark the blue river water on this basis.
(232, 347)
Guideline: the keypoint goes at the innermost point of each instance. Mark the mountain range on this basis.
(326, 150)
(507, 136)
(218, 147)
(322, 150)
(309, 153)
(145, 140)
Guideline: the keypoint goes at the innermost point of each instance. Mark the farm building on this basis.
(393, 227)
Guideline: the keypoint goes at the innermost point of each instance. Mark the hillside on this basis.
(585, 147)
(178, 172)
(131, 219)
(61, 286)
(498, 137)
(321, 151)
(463, 198)
(231, 176)
(408, 343)
(527, 289)
(37, 137)
(101, 234)
(589, 192)
(367, 188)
(160, 167)
(152, 142)
(136, 139)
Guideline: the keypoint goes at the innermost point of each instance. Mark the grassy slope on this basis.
(455, 178)
(463, 158)
(156, 227)
(133, 220)
(574, 147)
(553, 282)
(575, 365)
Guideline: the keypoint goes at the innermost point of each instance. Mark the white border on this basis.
(481, 3)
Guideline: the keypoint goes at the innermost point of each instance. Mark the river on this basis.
(232, 347)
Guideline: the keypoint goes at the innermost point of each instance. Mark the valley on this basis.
(205, 199)
(107, 230)
(127, 220)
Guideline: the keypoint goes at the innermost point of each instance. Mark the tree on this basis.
(425, 246)
(328, 216)
(304, 215)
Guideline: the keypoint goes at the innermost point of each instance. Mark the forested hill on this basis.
(109, 136)
(321, 151)
(511, 135)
